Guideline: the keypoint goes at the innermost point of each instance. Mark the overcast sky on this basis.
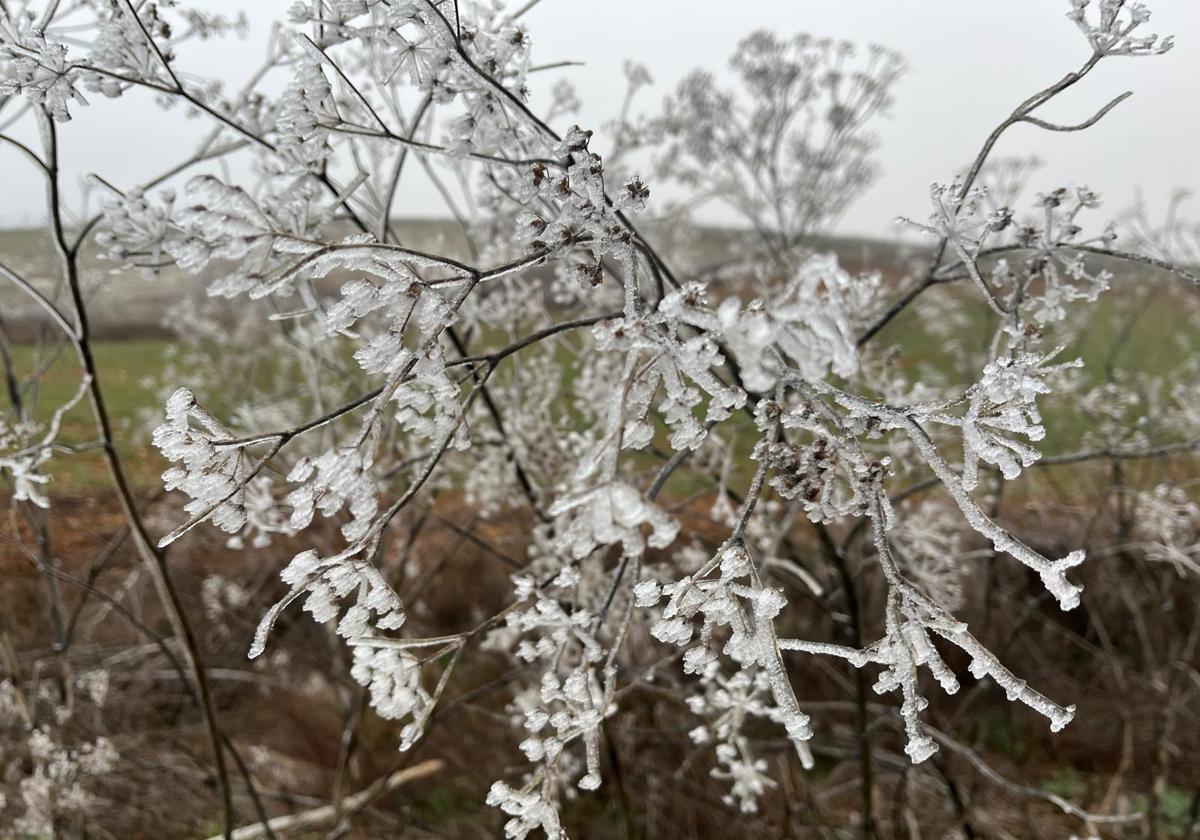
(970, 62)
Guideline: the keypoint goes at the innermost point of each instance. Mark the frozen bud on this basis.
(1000, 220)
(647, 593)
(674, 631)
(575, 141)
(633, 195)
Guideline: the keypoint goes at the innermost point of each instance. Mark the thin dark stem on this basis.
(154, 559)
(493, 411)
(1019, 114)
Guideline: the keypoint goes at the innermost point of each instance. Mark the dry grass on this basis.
(298, 721)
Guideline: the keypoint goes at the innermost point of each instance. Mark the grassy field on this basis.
(1155, 336)
(129, 372)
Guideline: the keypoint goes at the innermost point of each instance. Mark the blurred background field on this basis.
(136, 351)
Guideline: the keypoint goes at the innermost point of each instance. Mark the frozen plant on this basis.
(52, 775)
(558, 368)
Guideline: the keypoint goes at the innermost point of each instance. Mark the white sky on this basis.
(970, 62)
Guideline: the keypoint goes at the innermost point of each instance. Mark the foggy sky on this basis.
(971, 62)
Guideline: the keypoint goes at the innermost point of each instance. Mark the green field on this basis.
(1155, 336)
(128, 373)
